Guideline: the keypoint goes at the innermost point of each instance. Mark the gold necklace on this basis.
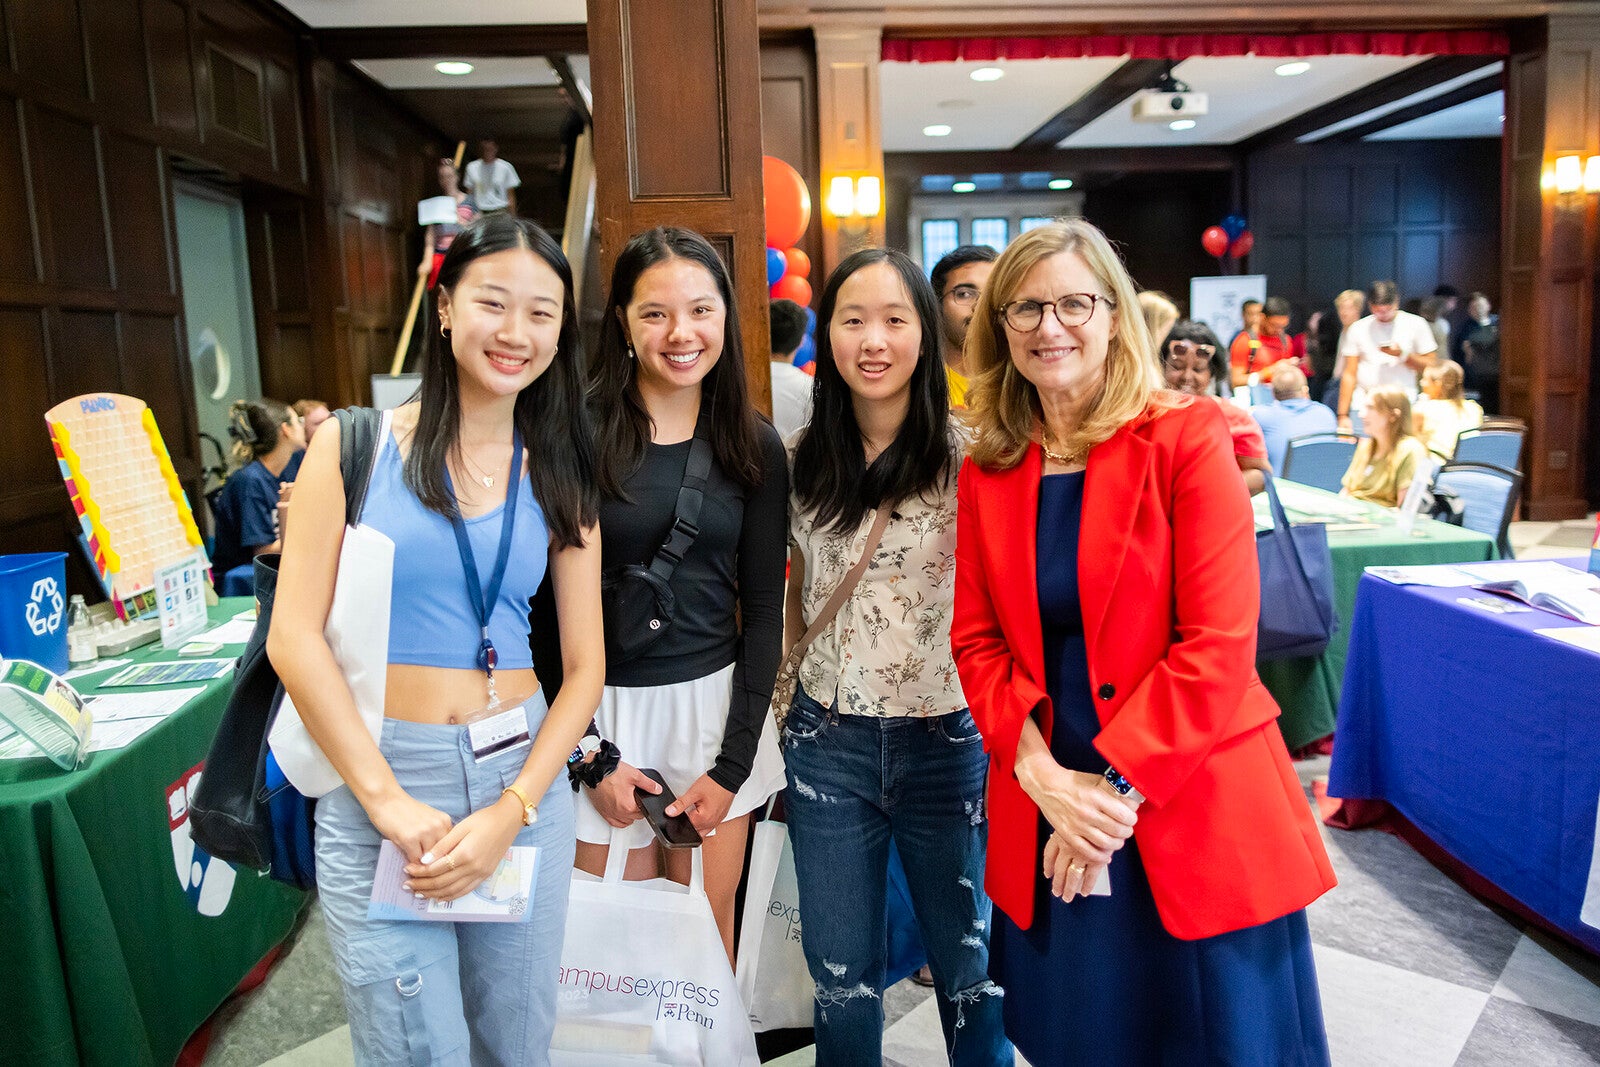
(1066, 459)
(476, 471)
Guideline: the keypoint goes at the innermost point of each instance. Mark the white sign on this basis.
(181, 599)
(1215, 301)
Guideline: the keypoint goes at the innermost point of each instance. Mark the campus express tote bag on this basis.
(644, 979)
(1297, 614)
(357, 632)
(773, 979)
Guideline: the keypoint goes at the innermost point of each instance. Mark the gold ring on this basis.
(1079, 867)
(450, 862)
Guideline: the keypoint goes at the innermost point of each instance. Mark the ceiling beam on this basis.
(420, 42)
(1384, 91)
(914, 165)
(1490, 83)
(1113, 89)
(569, 81)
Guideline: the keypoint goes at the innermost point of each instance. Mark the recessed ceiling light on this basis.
(452, 66)
(1061, 183)
(1289, 70)
(988, 74)
(962, 187)
(1181, 124)
(936, 130)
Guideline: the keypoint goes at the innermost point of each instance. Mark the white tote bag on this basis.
(774, 982)
(358, 633)
(644, 978)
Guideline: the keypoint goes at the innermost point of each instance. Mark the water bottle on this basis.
(80, 633)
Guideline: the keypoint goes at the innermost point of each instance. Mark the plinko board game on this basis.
(134, 513)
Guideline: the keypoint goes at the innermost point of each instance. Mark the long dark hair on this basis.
(831, 476)
(622, 421)
(550, 412)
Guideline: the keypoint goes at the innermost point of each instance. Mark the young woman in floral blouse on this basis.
(879, 744)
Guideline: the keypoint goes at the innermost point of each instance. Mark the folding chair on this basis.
(1488, 495)
(1498, 442)
(1319, 459)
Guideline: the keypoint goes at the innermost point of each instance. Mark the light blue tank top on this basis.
(431, 621)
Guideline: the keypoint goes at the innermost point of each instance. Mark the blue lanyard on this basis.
(483, 600)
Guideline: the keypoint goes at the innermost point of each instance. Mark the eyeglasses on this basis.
(965, 295)
(1074, 309)
(1179, 353)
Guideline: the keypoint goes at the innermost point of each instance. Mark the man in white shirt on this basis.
(1388, 347)
(791, 386)
(492, 181)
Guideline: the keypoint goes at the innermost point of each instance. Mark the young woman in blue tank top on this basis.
(499, 441)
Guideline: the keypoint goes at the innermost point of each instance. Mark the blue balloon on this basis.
(806, 352)
(811, 322)
(1234, 225)
(776, 265)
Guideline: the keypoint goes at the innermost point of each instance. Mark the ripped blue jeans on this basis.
(855, 782)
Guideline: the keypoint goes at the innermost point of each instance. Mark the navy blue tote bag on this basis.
(1297, 613)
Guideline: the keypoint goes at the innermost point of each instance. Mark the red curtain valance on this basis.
(1186, 46)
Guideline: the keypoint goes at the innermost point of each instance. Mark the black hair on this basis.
(623, 422)
(1196, 332)
(788, 327)
(255, 426)
(1248, 303)
(1447, 291)
(1275, 305)
(549, 413)
(831, 476)
(1383, 292)
(956, 258)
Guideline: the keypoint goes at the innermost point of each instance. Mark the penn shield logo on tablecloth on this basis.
(206, 881)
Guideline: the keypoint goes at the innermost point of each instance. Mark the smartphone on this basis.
(674, 831)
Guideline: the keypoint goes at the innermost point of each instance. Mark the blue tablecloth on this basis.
(1485, 735)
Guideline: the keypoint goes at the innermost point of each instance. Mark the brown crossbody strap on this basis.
(847, 585)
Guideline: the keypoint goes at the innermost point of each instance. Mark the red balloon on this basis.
(788, 202)
(793, 287)
(1215, 240)
(1242, 244)
(799, 263)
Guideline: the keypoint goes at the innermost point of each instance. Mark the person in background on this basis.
(1159, 312)
(791, 386)
(437, 237)
(313, 413)
(693, 704)
(958, 278)
(1387, 348)
(496, 450)
(1107, 596)
(1480, 349)
(1250, 312)
(1272, 347)
(1448, 298)
(1192, 363)
(1390, 457)
(267, 435)
(1291, 414)
(1348, 307)
(492, 182)
(1445, 411)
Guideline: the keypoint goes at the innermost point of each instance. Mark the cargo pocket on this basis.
(406, 1008)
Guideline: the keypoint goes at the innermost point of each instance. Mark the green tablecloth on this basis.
(105, 955)
(1360, 535)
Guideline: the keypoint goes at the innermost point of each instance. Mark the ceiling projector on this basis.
(1164, 107)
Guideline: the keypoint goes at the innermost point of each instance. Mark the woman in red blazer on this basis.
(1106, 602)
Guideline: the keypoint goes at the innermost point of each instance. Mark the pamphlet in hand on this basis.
(506, 896)
(1543, 584)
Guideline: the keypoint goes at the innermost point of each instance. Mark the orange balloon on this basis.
(799, 263)
(793, 287)
(810, 368)
(788, 202)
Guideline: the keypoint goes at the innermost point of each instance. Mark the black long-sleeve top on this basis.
(728, 589)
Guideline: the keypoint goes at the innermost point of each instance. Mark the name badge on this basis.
(499, 733)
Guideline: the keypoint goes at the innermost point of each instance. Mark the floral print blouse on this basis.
(887, 652)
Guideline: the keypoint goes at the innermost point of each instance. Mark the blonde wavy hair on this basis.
(1003, 406)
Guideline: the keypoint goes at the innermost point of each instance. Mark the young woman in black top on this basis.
(692, 705)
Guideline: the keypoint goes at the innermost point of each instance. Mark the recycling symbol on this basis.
(45, 607)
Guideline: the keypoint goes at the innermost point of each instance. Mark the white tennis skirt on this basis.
(676, 729)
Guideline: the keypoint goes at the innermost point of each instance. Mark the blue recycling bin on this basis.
(33, 608)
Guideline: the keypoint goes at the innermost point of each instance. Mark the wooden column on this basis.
(850, 125)
(1549, 241)
(677, 126)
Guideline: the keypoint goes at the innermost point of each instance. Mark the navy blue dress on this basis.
(1100, 981)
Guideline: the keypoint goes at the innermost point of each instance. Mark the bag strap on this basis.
(361, 433)
(847, 585)
(691, 495)
(1280, 518)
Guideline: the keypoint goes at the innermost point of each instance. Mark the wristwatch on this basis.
(587, 744)
(530, 811)
(1123, 787)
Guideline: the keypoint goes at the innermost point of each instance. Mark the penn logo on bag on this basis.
(679, 999)
(207, 882)
(789, 915)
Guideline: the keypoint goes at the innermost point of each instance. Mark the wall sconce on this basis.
(855, 197)
(1591, 175)
(1569, 173)
(1573, 174)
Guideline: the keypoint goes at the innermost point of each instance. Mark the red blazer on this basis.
(1171, 592)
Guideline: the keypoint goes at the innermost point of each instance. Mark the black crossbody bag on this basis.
(637, 598)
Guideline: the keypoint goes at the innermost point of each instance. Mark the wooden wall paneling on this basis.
(710, 180)
(850, 129)
(288, 141)
(155, 365)
(789, 130)
(51, 50)
(140, 222)
(64, 167)
(167, 42)
(119, 73)
(83, 353)
(29, 461)
(19, 233)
